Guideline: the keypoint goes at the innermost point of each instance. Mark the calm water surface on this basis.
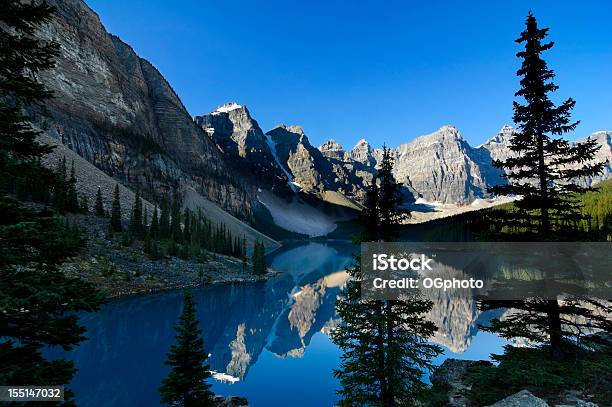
(269, 341)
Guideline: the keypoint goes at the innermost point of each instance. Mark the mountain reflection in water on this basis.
(269, 341)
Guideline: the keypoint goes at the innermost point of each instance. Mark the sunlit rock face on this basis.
(309, 168)
(441, 167)
(116, 110)
(312, 311)
(241, 359)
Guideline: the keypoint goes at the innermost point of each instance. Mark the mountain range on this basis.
(117, 111)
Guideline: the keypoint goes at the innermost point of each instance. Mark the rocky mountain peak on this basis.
(331, 145)
(228, 107)
(363, 153)
(332, 149)
(503, 136)
(240, 138)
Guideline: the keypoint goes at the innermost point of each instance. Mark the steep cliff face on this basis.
(604, 138)
(241, 140)
(441, 167)
(117, 111)
(309, 168)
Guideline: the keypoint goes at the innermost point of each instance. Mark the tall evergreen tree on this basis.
(175, 221)
(115, 220)
(543, 170)
(384, 342)
(136, 226)
(186, 384)
(72, 199)
(39, 304)
(154, 229)
(544, 166)
(99, 205)
(259, 258)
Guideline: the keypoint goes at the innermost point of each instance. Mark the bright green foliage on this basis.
(186, 384)
(596, 208)
(115, 220)
(39, 304)
(384, 343)
(99, 206)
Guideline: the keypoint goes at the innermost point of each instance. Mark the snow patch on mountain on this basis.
(228, 107)
(297, 216)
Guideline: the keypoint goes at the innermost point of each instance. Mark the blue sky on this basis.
(387, 71)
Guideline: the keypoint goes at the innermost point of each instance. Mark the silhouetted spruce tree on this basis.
(72, 199)
(40, 306)
(115, 220)
(136, 228)
(259, 259)
(175, 221)
(60, 200)
(543, 165)
(542, 170)
(99, 206)
(186, 384)
(244, 253)
(154, 229)
(384, 343)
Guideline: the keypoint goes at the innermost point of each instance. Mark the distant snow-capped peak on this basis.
(227, 107)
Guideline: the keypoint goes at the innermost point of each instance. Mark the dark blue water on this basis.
(268, 341)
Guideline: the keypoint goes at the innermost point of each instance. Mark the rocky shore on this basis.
(452, 374)
(122, 271)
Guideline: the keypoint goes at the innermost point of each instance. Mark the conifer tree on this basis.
(542, 170)
(259, 259)
(385, 343)
(244, 253)
(40, 305)
(72, 199)
(154, 229)
(187, 227)
(99, 207)
(60, 187)
(175, 221)
(186, 384)
(115, 220)
(136, 226)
